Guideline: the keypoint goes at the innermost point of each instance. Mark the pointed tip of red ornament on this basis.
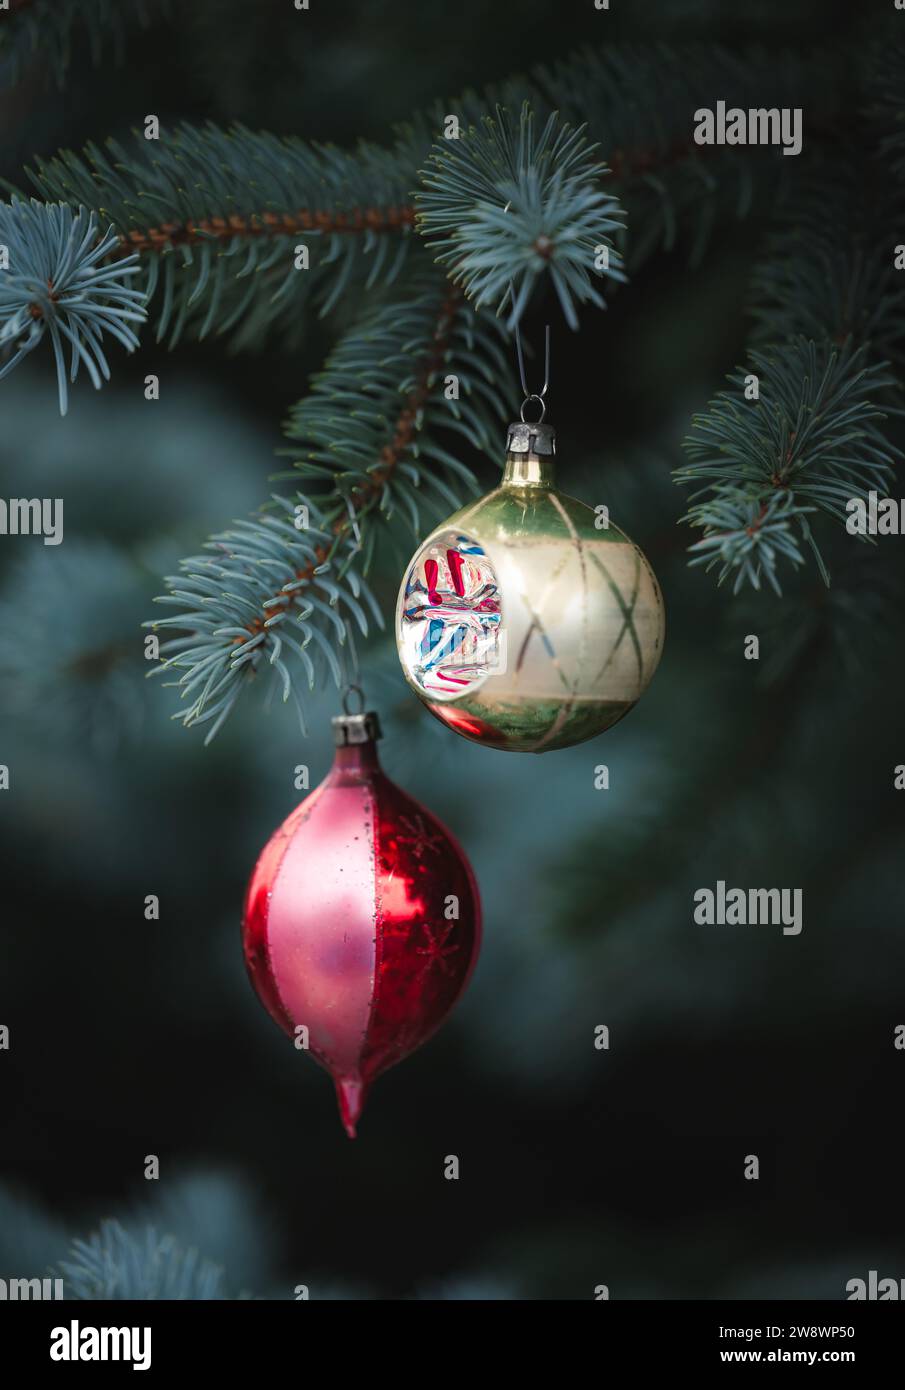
(350, 1093)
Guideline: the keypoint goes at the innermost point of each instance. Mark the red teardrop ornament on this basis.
(362, 920)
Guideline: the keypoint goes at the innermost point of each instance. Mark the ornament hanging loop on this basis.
(527, 401)
(347, 695)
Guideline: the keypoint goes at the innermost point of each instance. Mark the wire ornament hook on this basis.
(534, 395)
(530, 395)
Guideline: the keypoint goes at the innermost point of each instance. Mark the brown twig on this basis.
(363, 497)
(264, 224)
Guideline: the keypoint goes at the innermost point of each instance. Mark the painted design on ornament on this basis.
(523, 625)
(436, 949)
(452, 616)
(418, 837)
(628, 618)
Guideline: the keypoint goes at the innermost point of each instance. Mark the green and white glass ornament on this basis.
(528, 621)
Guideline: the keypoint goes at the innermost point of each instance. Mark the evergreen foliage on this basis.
(59, 283)
(118, 1264)
(814, 439)
(285, 589)
(505, 204)
(563, 178)
(780, 770)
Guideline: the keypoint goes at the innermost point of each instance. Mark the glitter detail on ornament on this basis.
(451, 617)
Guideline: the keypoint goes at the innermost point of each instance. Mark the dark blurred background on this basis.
(579, 1167)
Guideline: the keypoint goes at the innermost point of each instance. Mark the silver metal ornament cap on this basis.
(356, 728)
(535, 439)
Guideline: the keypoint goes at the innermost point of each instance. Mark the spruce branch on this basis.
(57, 284)
(746, 535)
(216, 215)
(284, 589)
(116, 1263)
(827, 306)
(812, 440)
(504, 204)
(264, 594)
(639, 104)
(827, 270)
(368, 436)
